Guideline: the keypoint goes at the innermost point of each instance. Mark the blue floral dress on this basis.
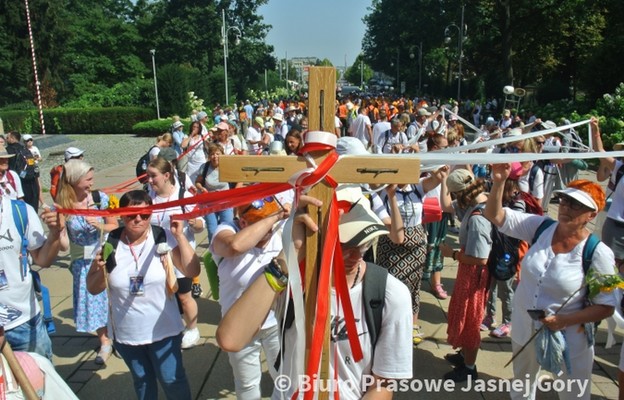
(90, 312)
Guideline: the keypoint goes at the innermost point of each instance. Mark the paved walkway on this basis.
(210, 374)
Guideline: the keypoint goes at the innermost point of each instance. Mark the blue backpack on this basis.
(20, 216)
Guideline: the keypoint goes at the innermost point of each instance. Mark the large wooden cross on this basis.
(362, 169)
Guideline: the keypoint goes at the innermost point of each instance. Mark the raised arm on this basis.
(607, 164)
(446, 203)
(494, 207)
(397, 229)
(435, 178)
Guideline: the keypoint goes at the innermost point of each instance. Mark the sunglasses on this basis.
(540, 143)
(571, 203)
(144, 217)
(258, 204)
(29, 140)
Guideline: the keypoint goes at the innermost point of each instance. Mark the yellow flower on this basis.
(113, 202)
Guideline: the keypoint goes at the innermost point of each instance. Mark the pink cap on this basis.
(516, 171)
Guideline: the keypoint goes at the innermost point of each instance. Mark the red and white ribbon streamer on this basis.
(34, 63)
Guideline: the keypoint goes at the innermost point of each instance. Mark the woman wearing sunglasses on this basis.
(90, 311)
(145, 321)
(244, 247)
(552, 273)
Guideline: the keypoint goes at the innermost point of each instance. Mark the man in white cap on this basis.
(387, 351)
(280, 129)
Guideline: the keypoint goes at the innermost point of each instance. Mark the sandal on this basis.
(104, 354)
(439, 292)
(417, 335)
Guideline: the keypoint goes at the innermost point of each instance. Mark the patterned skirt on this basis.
(466, 309)
(406, 261)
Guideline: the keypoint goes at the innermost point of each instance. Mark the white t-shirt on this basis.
(393, 352)
(197, 155)
(152, 316)
(616, 210)
(153, 153)
(379, 128)
(538, 184)
(548, 279)
(359, 128)
(6, 185)
(17, 293)
(237, 273)
(384, 142)
(162, 218)
(254, 136)
(410, 205)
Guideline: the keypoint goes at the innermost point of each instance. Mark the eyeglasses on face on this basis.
(144, 217)
(571, 203)
(258, 204)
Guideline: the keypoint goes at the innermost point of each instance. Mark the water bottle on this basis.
(144, 165)
(503, 266)
(213, 274)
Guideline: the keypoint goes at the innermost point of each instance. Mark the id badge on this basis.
(137, 286)
(22, 174)
(89, 252)
(4, 282)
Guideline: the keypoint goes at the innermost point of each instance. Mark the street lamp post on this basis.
(461, 32)
(397, 83)
(224, 41)
(419, 47)
(361, 74)
(153, 53)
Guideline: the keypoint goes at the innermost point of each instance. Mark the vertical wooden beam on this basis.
(322, 90)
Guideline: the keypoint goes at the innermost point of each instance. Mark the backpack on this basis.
(373, 297)
(532, 173)
(20, 213)
(115, 236)
(25, 164)
(55, 179)
(504, 256)
(141, 166)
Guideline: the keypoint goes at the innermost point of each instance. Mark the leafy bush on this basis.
(132, 93)
(155, 127)
(72, 121)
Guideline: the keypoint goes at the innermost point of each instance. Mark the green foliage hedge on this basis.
(72, 121)
(156, 127)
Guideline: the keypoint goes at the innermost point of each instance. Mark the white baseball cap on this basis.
(73, 152)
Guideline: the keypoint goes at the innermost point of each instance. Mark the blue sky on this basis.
(316, 28)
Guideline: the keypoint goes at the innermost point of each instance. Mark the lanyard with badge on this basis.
(137, 284)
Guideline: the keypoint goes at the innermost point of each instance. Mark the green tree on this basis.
(50, 36)
(354, 73)
(102, 47)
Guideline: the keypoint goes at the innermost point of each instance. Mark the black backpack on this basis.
(141, 166)
(503, 260)
(25, 164)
